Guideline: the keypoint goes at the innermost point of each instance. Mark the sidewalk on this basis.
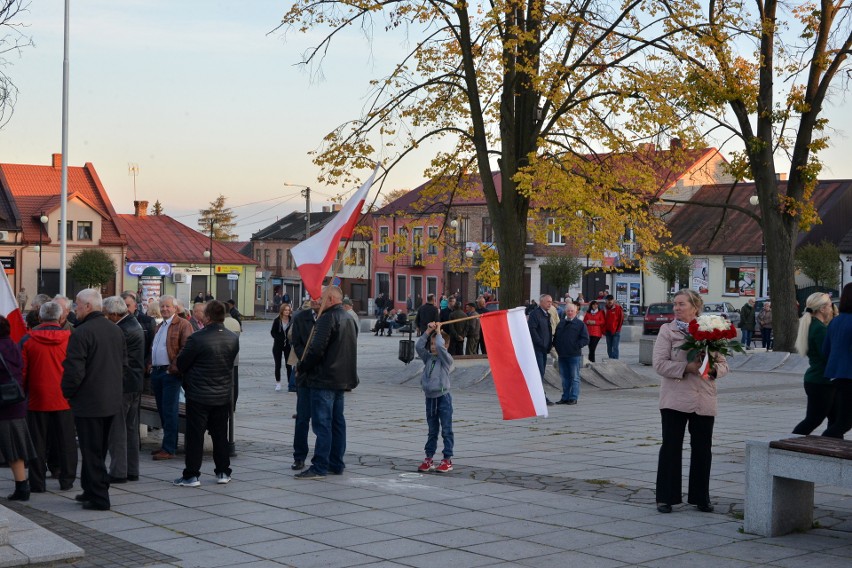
(574, 489)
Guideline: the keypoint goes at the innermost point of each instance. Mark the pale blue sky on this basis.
(205, 102)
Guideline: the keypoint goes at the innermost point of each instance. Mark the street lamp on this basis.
(43, 221)
(208, 254)
(754, 200)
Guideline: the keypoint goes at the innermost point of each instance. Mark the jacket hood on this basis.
(49, 334)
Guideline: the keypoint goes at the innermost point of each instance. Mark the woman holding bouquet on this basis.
(686, 399)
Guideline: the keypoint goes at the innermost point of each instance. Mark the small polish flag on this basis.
(513, 364)
(10, 310)
(314, 256)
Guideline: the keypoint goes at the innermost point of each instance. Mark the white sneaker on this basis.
(277, 387)
(187, 482)
(223, 478)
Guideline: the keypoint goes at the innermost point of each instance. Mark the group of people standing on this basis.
(751, 319)
(567, 334)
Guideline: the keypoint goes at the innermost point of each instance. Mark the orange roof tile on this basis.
(36, 189)
(159, 238)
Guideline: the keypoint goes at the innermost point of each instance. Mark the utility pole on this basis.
(133, 170)
(306, 193)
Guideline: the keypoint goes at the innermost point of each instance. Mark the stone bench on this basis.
(780, 478)
(149, 416)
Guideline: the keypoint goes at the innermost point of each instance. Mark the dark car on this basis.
(656, 315)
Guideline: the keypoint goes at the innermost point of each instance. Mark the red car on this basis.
(656, 315)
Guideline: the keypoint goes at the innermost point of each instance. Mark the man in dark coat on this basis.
(427, 313)
(570, 338)
(91, 382)
(330, 365)
(300, 330)
(124, 435)
(207, 365)
(541, 333)
(149, 324)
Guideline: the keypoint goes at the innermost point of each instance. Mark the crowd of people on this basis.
(82, 368)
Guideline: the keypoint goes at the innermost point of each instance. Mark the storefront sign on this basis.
(228, 269)
(136, 268)
(192, 270)
(8, 264)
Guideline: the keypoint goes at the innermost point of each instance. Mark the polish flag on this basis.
(10, 310)
(314, 256)
(513, 364)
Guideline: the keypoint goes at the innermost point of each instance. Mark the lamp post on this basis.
(754, 200)
(42, 222)
(208, 254)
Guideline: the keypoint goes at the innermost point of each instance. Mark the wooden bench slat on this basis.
(816, 445)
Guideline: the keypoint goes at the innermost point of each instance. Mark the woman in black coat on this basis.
(16, 447)
(281, 345)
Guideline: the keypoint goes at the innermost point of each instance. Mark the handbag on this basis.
(11, 392)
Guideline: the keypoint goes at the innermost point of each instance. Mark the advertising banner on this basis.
(701, 275)
(746, 284)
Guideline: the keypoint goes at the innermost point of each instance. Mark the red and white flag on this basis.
(314, 256)
(513, 365)
(10, 310)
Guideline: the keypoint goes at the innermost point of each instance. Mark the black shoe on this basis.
(571, 402)
(708, 508)
(88, 505)
(66, 485)
(664, 508)
(132, 478)
(82, 497)
(309, 474)
(117, 479)
(297, 465)
(335, 471)
(22, 491)
(562, 402)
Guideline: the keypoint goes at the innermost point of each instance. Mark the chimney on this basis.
(140, 208)
(326, 209)
(780, 177)
(337, 207)
(676, 144)
(56, 161)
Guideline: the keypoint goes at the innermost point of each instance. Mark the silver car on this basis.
(724, 309)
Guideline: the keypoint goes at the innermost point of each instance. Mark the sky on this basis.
(207, 102)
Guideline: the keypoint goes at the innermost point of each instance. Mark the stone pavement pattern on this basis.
(575, 489)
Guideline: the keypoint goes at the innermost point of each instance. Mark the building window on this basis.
(69, 232)
(277, 259)
(462, 229)
(257, 254)
(400, 288)
(383, 239)
(403, 240)
(433, 240)
(258, 292)
(417, 242)
(431, 285)
(266, 259)
(554, 233)
(732, 279)
(289, 260)
(84, 230)
(487, 232)
(362, 257)
(353, 257)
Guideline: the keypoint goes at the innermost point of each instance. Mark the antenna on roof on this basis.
(133, 170)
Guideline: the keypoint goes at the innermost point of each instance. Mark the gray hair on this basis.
(39, 300)
(165, 297)
(50, 311)
(91, 296)
(114, 305)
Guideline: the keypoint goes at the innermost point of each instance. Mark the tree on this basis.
(11, 39)
(820, 263)
(801, 48)
(673, 268)
(157, 209)
(391, 196)
(92, 267)
(220, 214)
(533, 88)
(561, 271)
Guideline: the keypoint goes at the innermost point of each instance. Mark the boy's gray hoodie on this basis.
(436, 371)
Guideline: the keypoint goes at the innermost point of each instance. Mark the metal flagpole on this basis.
(63, 198)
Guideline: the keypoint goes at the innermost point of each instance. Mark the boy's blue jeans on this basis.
(439, 414)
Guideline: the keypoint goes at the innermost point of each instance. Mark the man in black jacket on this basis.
(300, 329)
(91, 382)
(207, 364)
(124, 434)
(541, 333)
(329, 365)
(149, 325)
(427, 313)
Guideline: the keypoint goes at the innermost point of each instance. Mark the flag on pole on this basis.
(10, 310)
(314, 256)
(513, 364)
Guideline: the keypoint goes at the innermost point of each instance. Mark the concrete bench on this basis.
(780, 478)
(149, 416)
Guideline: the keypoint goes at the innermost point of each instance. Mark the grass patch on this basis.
(598, 481)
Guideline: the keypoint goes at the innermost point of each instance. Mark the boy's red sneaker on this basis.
(427, 465)
(445, 466)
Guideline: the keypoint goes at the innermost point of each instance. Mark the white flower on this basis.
(712, 322)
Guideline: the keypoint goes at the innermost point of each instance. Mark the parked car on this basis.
(656, 315)
(724, 309)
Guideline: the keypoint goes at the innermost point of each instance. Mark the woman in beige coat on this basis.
(686, 399)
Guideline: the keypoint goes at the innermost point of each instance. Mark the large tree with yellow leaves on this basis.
(546, 92)
(761, 71)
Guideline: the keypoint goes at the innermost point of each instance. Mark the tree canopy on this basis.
(223, 217)
(820, 263)
(672, 267)
(12, 39)
(92, 267)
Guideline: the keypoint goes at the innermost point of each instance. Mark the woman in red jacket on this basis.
(594, 320)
